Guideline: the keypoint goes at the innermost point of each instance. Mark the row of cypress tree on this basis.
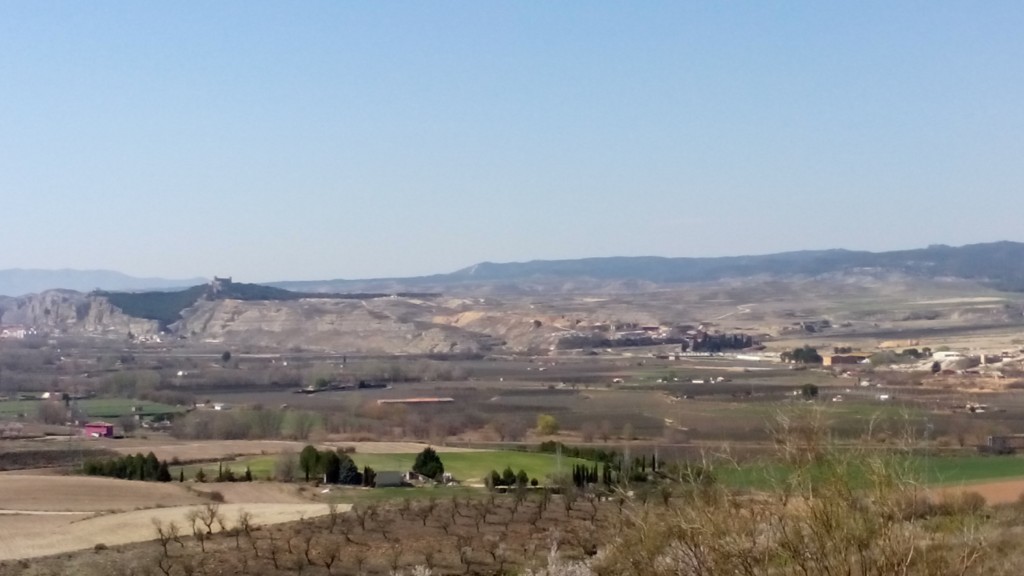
(137, 467)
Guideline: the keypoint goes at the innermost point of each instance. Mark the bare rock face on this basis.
(387, 326)
(68, 312)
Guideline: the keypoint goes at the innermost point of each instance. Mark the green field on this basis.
(936, 470)
(464, 466)
(95, 407)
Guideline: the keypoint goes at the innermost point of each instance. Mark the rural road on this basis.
(741, 309)
(42, 513)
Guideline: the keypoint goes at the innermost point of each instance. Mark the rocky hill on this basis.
(70, 312)
(543, 306)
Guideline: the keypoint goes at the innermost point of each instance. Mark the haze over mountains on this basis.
(18, 281)
(998, 265)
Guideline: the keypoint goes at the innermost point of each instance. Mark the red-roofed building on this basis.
(99, 430)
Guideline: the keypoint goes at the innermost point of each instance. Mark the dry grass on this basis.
(262, 492)
(33, 536)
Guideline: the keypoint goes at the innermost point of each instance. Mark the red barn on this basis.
(99, 430)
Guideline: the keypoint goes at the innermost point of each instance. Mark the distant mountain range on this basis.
(16, 281)
(999, 265)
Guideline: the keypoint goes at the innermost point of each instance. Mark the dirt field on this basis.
(42, 515)
(87, 494)
(1001, 492)
(28, 536)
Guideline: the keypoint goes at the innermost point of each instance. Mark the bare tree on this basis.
(166, 534)
(209, 515)
(244, 522)
(285, 467)
(332, 517)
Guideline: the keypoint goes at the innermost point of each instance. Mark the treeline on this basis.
(805, 355)
(510, 479)
(138, 467)
(640, 470)
(704, 342)
(223, 475)
(247, 424)
(582, 452)
(612, 468)
(334, 467)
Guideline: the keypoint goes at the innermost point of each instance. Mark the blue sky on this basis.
(301, 140)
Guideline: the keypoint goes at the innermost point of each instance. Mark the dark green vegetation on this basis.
(428, 464)
(804, 355)
(137, 467)
(333, 467)
(166, 306)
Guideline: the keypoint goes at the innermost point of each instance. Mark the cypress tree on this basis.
(163, 474)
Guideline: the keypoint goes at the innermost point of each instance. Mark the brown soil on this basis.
(47, 535)
(998, 492)
(87, 494)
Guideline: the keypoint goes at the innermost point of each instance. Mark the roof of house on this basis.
(98, 424)
(389, 477)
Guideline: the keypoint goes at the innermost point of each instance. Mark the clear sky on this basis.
(304, 140)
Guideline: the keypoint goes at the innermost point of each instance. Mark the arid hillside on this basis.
(854, 304)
